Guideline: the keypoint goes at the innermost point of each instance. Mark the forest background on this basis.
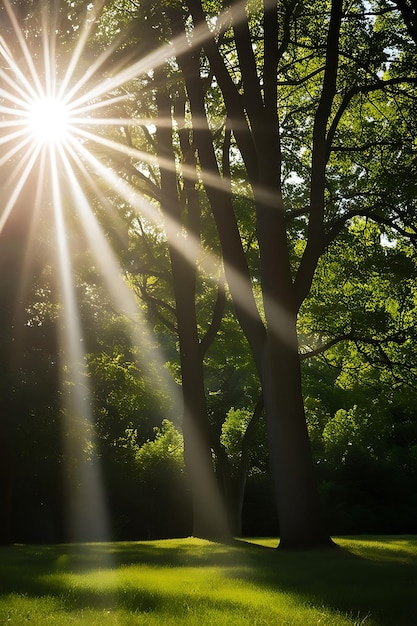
(257, 178)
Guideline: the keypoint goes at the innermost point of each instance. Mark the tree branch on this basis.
(324, 347)
(378, 219)
(397, 338)
(409, 14)
(233, 100)
(320, 156)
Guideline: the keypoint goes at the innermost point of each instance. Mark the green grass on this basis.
(371, 581)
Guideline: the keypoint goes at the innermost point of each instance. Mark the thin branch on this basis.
(301, 81)
(397, 337)
(154, 304)
(366, 146)
(290, 9)
(324, 347)
(339, 224)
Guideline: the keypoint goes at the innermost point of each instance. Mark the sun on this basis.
(48, 120)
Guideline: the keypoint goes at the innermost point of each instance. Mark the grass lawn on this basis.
(369, 580)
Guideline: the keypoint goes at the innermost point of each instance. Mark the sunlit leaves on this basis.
(364, 293)
(165, 449)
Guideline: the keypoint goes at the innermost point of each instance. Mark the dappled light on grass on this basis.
(191, 581)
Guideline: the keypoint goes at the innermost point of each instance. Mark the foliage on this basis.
(162, 454)
(359, 309)
(233, 430)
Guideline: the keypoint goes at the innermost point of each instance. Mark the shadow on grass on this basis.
(377, 582)
(374, 582)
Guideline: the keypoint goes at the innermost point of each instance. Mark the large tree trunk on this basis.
(300, 521)
(291, 463)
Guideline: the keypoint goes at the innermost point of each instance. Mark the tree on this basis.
(307, 51)
(359, 379)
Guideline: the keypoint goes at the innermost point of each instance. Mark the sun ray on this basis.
(11, 137)
(34, 222)
(20, 175)
(210, 179)
(144, 207)
(103, 87)
(22, 91)
(77, 110)
(121, 295)
(27, 55)
(82, 40)
(49, 57)
(83, 104)
(87, 509)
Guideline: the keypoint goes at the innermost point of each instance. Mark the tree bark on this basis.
(296, 495)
